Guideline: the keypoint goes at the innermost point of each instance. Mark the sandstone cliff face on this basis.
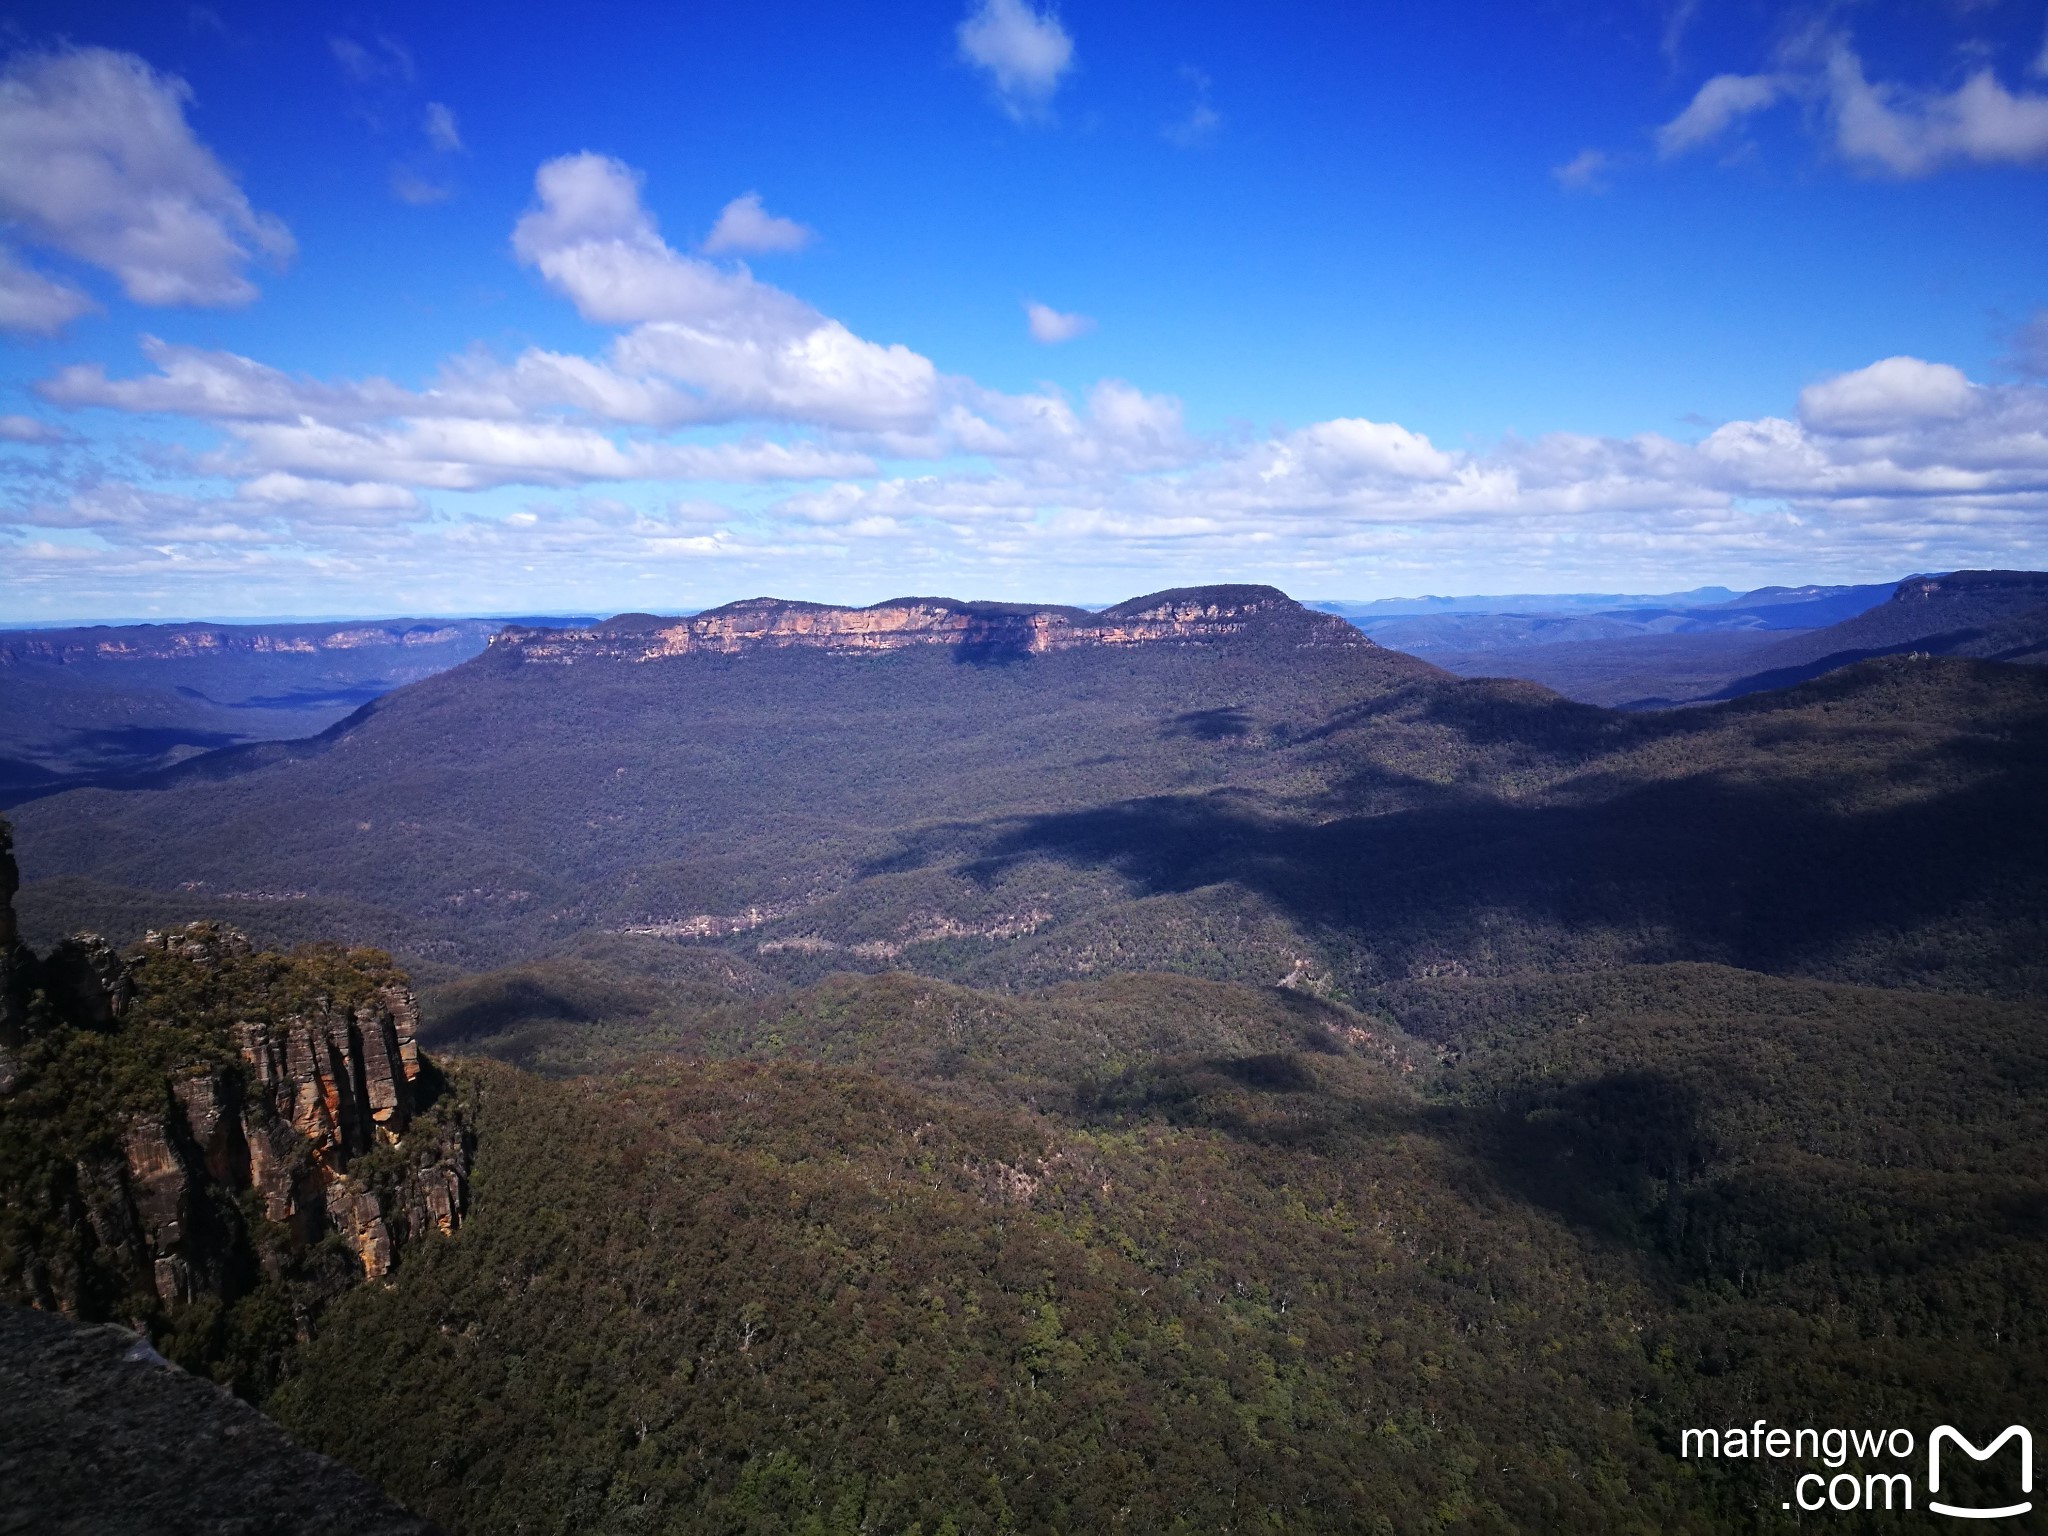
(1193, 615)
(183, 642)
(312, 1096)
(197, 1117)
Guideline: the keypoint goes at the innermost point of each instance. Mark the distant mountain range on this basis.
(1704, 607)
(82, 704)
(1474, 624)
(1995, 615)
(1656, 656)
(1218, 781)
(103, 704)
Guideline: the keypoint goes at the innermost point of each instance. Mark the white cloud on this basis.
(1719, 103)
(1912, 134)
(1584, 172)
(26, 429)
(439, 126)
(1880, 126)
(742, 347)
(33, 304)
(97, 161)
(594, 242)
(1894, 469)
(1025, 52)
(1904, 463)
(1049, 326)
(745, 226)
(216, 386)
(1676, 24)
(279, 489)
(1899, 392)
(1349, 450)
(466, 454)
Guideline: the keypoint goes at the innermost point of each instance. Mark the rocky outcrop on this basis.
(197, 1116)
(311, 1096)
(1186, 615)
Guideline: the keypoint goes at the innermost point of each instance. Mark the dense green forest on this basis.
(1159, 1254)
(1206, 1087)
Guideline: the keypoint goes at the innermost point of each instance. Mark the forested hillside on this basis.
(103, 702)
(973, 1068)
(1650, 659)
(1160, 1254)
(1241, 805)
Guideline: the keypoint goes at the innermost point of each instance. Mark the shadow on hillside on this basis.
(1229, 723)
(1762, 876)
(1787, 677)
(490, 1005)
(122, 746)
(1606, 1155)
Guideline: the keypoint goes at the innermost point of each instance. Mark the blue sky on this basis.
(349, 311)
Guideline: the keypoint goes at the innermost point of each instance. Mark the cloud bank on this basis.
(729, 435)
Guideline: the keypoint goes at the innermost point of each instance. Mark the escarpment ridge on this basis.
(188, 642)
(186, 1128)
(1185, 614)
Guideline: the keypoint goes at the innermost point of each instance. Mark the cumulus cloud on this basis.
(98, 161)
(593, 242)
(1902, 464)
(1907, 133)
(458, 454)
(737, 345)
(870, 460)
(34, 305)
(1584, 172)
(1717, 105)
(1896, 393)
(745, 227)
(1051, 327)
(1025, 52)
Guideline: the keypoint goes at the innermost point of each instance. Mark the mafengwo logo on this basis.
(1845, 1491)
(1954, 1437)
